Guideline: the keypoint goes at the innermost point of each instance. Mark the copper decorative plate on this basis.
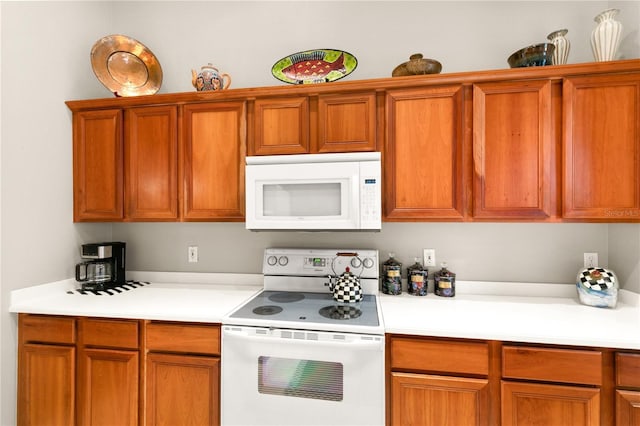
(125, 66)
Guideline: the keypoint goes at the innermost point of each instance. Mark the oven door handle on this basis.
(306, 338)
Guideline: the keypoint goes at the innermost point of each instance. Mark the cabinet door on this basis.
(280, 126)
(627, 408)
(423, 155)
(46, 385)
(427, 400)
(182, 390)
(213, 147)
(151, 171)
(602, 148)
(97, 166)
(108, 387)
(346, 123)
(543, 404)
(512, 148)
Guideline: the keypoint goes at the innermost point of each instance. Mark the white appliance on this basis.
(292, 355)
(314, 192)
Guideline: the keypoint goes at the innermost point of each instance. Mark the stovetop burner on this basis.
(267, 310)
(286, 297)
(340, 312)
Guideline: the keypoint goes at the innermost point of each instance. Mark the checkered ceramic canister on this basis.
(597, 287)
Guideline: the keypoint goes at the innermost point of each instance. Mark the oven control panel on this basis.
(320, 262)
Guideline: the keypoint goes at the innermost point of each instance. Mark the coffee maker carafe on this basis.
(105, 269)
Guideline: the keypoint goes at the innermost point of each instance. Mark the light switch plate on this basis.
(591, 260)
(192, 254)
(429, 257)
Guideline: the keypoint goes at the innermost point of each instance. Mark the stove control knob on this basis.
(368, 262)
(272, 260)
(283, 260)
(356, 262)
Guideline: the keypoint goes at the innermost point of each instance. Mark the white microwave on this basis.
(314, 192)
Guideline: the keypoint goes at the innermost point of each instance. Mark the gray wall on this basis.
(45, 60)
(535, 252)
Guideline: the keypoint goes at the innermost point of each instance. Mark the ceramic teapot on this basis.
(209, 78)
(346, 288)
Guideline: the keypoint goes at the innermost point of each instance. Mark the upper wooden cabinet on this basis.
(513, 144)
(423, 156)
(98, 154)
(280, 126)
(555, 143)
(131, 164)
(344, 122)
(213, 151)
(602, 148)
(151, 163)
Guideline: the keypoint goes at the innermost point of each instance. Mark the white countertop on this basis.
(533, 313)
(549, 313)
(171, 297)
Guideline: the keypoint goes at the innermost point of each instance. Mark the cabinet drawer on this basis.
(49, 329)
(440, 356)
(628, 370)
(184, 338)
(552, 365)
(109, 333)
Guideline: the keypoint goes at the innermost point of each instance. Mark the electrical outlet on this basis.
(192, 254)
(591, 260)
(429, 256)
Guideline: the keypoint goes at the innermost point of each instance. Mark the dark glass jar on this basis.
(391, 276)
(444, 282)
(417, 279)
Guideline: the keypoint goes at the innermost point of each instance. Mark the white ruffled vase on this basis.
(605, 37)
(562, 44)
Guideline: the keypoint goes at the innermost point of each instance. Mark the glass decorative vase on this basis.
(562, 44)
(605, 37)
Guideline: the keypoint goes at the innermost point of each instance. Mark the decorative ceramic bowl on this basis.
(417, 65)
(533, 56)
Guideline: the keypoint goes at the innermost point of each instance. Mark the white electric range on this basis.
(295, 356)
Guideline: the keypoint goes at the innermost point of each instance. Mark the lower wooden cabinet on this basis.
(46, 370)
(544, 404)
(555, 386)
(627, 408)
(441, 381)
(183, 374)
(106, 372)
(182, 390)
(428, 400)
(46, 385)
(627, 389)
(438, 382)
(108, 387)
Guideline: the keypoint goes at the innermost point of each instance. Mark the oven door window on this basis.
(302, 199)
(300, 378)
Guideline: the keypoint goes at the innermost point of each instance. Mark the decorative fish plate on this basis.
(314, 66)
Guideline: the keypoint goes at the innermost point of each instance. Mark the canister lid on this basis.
(598, 279)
